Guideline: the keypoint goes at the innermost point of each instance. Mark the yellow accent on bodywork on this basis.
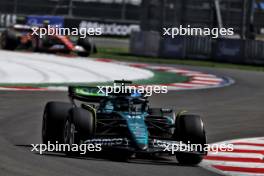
(181, 113)
(93, 110)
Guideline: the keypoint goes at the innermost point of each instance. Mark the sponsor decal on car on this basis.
(108, 141)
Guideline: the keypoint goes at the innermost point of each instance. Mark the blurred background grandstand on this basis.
(120, 18)
(152, 13)
(92, 9)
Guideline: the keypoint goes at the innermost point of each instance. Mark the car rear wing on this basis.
(22, 28)
(86, 93)
(96, 94)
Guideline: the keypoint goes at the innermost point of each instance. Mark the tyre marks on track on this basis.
(197, 79)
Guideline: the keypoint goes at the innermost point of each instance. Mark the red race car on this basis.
(21, 37)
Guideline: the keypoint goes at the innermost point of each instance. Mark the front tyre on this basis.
(69, 133)
(78, 127)
(54, 116)
(190, 128)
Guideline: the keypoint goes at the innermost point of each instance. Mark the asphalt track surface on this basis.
(231, 112)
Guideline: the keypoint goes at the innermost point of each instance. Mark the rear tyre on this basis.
(87, 45)
(190, 128)
(83, 54)
(54, 116)
(9, 41)
(79, 126)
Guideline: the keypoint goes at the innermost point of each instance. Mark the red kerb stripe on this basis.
(249, 144)
(234, 159)
(239, 169)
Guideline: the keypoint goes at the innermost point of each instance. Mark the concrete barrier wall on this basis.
(173, 48)
(254, 52)
(145, 43)
(196, 47)
(229, 50)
